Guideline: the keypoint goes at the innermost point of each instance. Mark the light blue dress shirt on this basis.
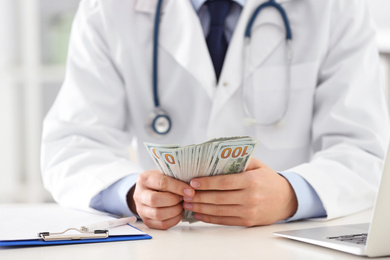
(113, 199)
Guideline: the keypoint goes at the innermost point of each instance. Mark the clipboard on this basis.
(51, 224)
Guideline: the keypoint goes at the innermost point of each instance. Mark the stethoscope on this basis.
(159, 123)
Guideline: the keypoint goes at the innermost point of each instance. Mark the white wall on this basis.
(10, 109)
(29, 81)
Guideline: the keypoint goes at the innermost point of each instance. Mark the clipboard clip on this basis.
(93, 231)
(47, 236)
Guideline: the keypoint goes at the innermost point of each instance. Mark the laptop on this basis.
(368, 239)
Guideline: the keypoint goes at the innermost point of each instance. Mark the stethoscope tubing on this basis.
(270, 3)
(155, 53)
(159, 113)
(249, 118)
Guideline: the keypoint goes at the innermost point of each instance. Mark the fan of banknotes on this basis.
(218, 156)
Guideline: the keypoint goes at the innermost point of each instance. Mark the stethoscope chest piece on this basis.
(159, 123)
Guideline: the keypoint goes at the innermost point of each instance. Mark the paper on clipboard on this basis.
(23, 223)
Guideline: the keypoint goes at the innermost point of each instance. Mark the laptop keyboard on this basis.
(359, 239)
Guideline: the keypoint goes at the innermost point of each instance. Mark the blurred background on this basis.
(34, 35)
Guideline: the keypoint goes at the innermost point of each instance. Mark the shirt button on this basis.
(225, 84)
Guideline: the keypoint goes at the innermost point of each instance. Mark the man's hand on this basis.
(157, 199)
(258, 196)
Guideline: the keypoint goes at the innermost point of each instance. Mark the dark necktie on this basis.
(216, 40)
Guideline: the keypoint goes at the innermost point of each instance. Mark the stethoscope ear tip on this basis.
(249, 121)
(279, 124)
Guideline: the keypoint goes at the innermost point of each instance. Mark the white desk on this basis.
(197, 241)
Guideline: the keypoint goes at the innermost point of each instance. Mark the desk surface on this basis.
(198, 241)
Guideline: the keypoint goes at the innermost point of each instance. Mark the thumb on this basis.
(255, 163)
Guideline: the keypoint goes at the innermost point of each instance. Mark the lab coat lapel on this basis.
(267, 33)
(181, 36)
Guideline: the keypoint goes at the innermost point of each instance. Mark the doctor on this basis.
(320, 117)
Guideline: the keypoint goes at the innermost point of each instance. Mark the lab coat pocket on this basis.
(285, 96)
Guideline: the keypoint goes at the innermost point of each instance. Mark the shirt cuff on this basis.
(114, 199)
(309, 204)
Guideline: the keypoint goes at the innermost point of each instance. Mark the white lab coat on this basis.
(334, 135)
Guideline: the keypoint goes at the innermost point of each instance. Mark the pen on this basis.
(108, 224)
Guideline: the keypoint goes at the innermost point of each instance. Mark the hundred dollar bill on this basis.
(226, 155)
(154, 152)
(231, 157)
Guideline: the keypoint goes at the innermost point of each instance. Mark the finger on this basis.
(222, 220)
(214, 210)
(160, 182)
(153, 198)
(221, 182)
(218, 197)
(160, 214)
(165, 224)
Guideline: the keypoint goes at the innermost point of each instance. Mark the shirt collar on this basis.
(197, 4)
